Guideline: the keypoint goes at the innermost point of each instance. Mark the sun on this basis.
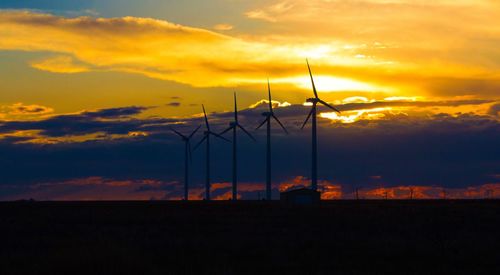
(334, 84)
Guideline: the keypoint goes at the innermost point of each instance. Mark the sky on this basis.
(90, 90)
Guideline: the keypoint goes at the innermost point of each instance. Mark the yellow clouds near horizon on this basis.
(155, 48)
(167, 51)
(59, 64)
(395, 47)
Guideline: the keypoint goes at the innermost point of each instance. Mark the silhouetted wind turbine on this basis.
(234, 125)
(315, 100)
(187, 158)
(267, 121)
(206, 138)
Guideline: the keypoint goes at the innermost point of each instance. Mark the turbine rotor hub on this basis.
(312, 100)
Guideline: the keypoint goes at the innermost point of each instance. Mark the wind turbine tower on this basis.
(234, 125)
(187, 158)
(315, 100)
(268, 116)
(206, 138)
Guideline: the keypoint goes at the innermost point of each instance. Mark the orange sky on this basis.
(373, 49)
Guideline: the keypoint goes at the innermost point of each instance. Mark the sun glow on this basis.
(403, 98)
(333, 84)
(320, 51)
(353, 116)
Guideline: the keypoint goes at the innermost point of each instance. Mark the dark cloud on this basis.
(115, 112)
(110, 121)
(174, 104)
(33, 110)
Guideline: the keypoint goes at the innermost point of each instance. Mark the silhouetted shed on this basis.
(303, 196)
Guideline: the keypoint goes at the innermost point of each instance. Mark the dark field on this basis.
(338, 237)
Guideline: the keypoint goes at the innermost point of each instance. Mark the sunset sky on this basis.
(89, 89)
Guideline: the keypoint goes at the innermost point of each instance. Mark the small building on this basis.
(302, 196)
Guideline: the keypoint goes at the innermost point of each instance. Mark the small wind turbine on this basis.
(315, 100)
(267, 121)
(234, 125)
(206, 138)
(187, 158)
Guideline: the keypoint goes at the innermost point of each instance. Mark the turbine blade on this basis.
(179, 134)
(235, 108)
(262, 124)
(246, 132)
(227, 130)
(206, 118)
(281, 124)
(329, 106)
(219, 136)
(312, 80)
(307, 119)
(200, 142)
(269, 93)
(194, 132)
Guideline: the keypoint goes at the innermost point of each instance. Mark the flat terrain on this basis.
(337, 237)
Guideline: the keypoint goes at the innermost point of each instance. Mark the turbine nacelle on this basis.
(266, 114)
(313, 100)
(233, 125)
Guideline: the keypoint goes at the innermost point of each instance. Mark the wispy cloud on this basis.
(223, 27)
(59, 64)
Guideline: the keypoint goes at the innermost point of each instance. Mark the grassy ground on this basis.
(337, 237)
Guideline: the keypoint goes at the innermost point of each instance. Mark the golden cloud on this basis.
(154, 48)
(372, 54)
(59, 64)
(167, 51)
(23, 111)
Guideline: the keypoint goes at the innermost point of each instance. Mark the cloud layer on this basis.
(408, 52)
(154, 48)
(387, 153)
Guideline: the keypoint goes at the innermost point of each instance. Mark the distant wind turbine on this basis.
(315, 100)
(206, 138)
(187, 158)
(234, 125)
(269, 115)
